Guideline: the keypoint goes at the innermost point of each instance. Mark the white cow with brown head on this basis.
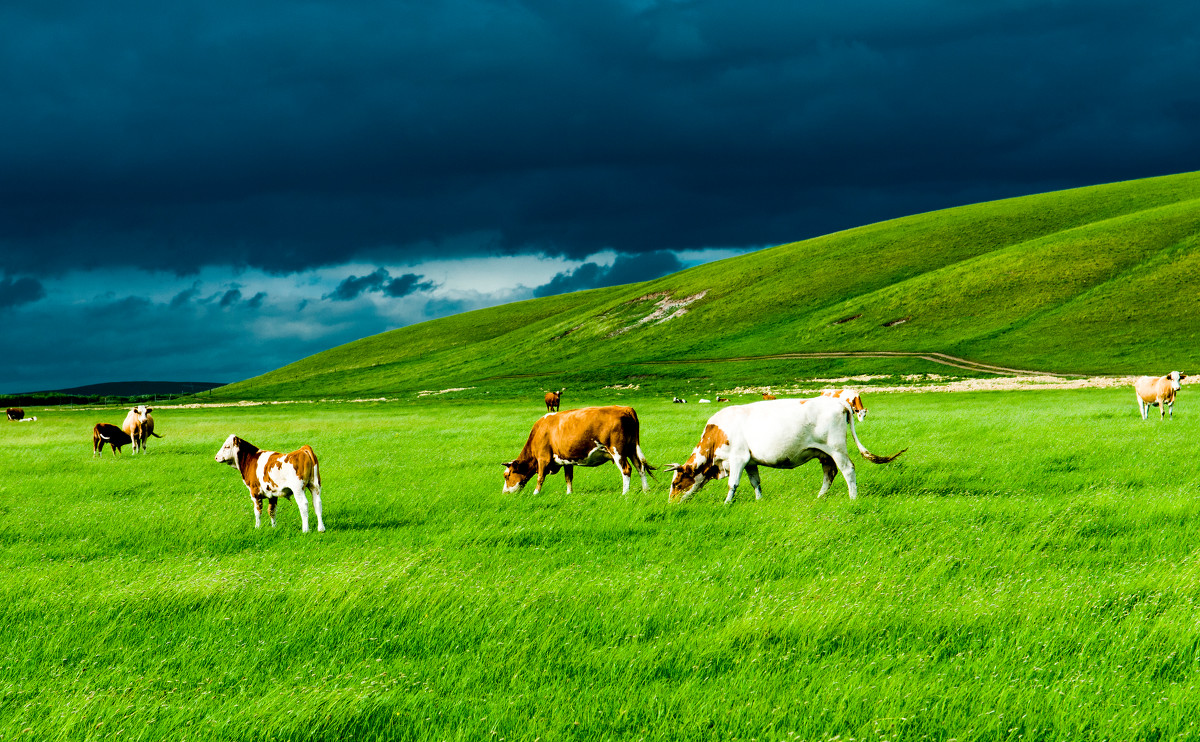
(781, 434)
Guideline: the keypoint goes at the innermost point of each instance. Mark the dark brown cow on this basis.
(110, 434)
(16, 413)
(585, 437)
(552, 401)
(269, 475)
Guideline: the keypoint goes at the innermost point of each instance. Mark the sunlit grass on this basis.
(1027, 570)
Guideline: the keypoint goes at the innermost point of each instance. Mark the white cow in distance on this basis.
(781, 434)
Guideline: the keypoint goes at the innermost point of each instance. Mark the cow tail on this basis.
(643, 466)
(316, 470)
(863, 449)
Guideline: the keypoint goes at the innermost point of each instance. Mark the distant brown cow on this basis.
(110, 434)
(768, 396)
(16, 413)
(1158, 392)
(552, 401)
(586, 437)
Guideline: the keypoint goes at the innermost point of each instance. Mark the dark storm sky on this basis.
(206, 191)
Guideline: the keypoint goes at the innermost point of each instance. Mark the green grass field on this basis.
(1028, 570)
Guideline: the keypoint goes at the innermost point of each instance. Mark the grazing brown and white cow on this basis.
(112, 435)
(16, 413)
(1158, 392)
(139, 426)
(589, 436)
(552, 401)
(850, 397)
(781, 434)
(270, 475)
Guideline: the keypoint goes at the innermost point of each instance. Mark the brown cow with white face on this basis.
(553, 399)
(139, 426)
(270, 474)
(1158, 392)
(589, 436)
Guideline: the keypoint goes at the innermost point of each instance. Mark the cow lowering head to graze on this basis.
(112, 435)
(781, 434)
(16, 413)
(585, 437)
(850, 397)
(677, 400)
(139, 426)
(1158, 392)
(270, 475)
(552, 401)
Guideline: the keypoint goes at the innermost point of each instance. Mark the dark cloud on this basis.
(231, 297)
(379, 281)
(625, 269)
(14, 292)
(286, 136)
(183, 297)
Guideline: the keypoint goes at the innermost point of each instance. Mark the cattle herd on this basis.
(736, 440)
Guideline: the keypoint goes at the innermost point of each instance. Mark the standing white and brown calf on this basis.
(1158, 392)
(270, 475)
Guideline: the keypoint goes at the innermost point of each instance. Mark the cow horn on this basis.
(671, 467)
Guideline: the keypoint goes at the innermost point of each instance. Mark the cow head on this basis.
(517, 473)
(1176, 377)
(686, 480)
(229, 451)
(705, 463)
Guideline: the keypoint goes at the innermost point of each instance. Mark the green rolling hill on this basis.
(1097, 280)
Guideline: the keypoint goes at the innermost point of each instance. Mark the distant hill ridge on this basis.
(134, 388)
(1096, 280)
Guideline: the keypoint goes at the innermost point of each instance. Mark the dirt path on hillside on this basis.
(942, 358)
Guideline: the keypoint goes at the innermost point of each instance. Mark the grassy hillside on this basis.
(1092, 280)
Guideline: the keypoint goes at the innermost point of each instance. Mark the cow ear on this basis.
(507, 464)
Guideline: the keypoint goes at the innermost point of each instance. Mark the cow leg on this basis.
(755, 482)
(1142, 407)
(735, 476)
(846, 467)
(541, 477)
(829, 469)
(271, 503)
(569, 475)
(258, 511)
(301, 502)
(316, 498)
(626, 468)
